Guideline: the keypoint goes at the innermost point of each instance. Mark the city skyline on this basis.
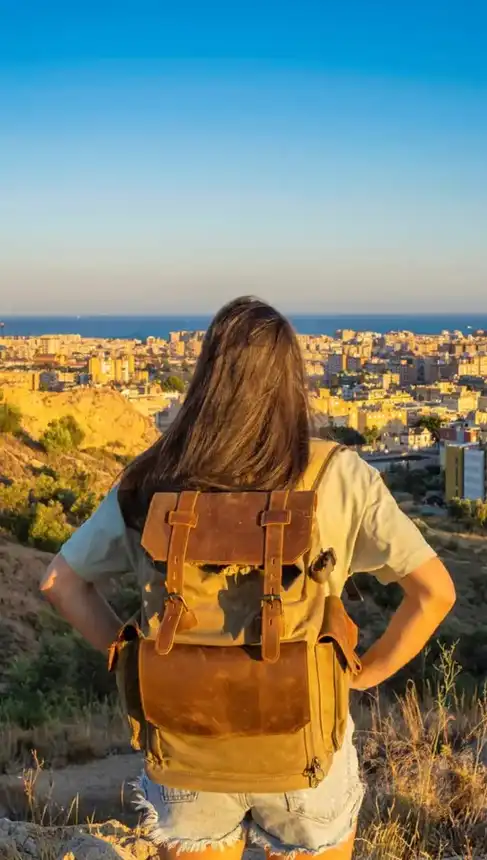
(164, 161)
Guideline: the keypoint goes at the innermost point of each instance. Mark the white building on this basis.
(474, 473)
(164, 419)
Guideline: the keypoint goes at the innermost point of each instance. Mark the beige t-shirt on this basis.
(363, 523)
(357, 516)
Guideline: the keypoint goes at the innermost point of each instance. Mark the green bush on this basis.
(74, 430)
(62, 435)
(173, 383)
(49, 528)
(83, 508)
(15, 510)
(65, 676)
(10, 418)
(470, 513)
(56, 439)
(45, 488)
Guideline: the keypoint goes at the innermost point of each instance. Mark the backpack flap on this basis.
(226, 528)
(217, 692)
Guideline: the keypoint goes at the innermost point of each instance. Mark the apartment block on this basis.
(465, 471)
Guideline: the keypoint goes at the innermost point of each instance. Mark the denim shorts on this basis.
(307, 821)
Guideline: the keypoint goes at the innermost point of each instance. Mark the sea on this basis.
(142, 327)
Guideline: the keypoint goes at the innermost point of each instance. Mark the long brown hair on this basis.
(244, 422)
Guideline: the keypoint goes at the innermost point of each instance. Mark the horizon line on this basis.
(206, 314)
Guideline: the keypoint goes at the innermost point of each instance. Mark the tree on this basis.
(371, 435)
(173, 383)
(431, 423)
(344, 435)
(10, 418)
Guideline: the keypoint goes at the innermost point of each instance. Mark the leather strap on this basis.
(273, 520)
(316, 475)
(176, 613)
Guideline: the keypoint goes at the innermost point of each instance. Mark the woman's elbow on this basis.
(444, 602)
(59, 581)
(444, 595)
(432, 587)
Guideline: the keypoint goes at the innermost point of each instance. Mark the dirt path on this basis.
(99, 789)
(104, 793)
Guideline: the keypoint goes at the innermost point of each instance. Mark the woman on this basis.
(245, 425)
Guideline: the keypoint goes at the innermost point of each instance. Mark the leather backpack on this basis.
(240, 683)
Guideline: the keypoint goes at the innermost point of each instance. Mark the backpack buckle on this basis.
(271, 599)
(174, 597)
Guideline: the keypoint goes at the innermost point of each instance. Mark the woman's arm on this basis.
(80, 604)
(429, 595)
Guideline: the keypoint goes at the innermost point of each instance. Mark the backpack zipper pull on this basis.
(314, 773)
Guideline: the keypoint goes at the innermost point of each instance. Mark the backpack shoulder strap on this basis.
(322, 453)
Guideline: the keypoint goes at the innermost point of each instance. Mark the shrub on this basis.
(62, 435)
(49, 528)
(83, 508)
(45, 488)
(74, 430)
(56, 439)
(65, 676)
(15, 510)
(10, 418)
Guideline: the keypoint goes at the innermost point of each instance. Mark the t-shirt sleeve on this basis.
(100, 547)
(388, 545)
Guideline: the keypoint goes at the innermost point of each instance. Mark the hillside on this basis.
(106, 417)
(22, 461)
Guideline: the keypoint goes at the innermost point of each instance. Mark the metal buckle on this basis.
(271, 599)
(174, 597)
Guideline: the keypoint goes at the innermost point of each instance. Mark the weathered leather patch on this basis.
(224, 691)
(229, 527)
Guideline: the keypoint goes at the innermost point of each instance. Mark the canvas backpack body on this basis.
(241, 683)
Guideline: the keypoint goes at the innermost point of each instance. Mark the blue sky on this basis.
(329, 156)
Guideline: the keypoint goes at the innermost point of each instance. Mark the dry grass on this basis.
(92, 734)
(425, 765)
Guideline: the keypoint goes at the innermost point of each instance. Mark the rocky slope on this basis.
(107, 418)
(110, 841)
